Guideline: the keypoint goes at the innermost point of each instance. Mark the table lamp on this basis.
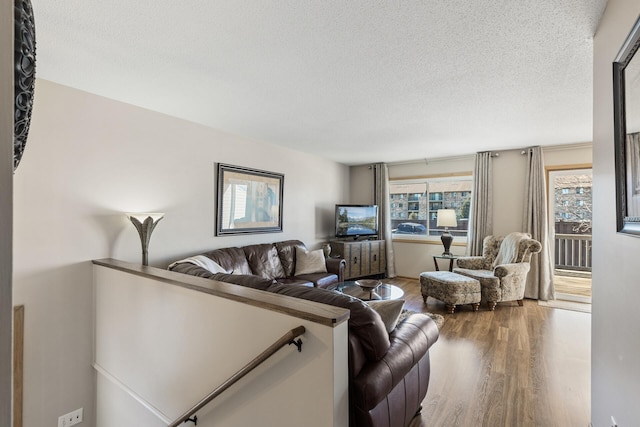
(446, 219)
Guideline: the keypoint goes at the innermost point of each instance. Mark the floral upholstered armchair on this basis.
(502, 269)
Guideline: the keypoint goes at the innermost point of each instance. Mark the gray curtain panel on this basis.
(481, 214)
(381, 198)
(540, 277)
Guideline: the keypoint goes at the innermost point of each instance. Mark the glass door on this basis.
(570, 224)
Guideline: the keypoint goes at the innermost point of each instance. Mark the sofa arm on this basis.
(410, 342)
(191, 269)
(471, 262)
(504, 270)
(249, 281)
(336, 266)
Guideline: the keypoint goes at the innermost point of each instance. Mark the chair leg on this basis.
(476, 306)
(492, 305)
(424, 298)
(520, 302)
(451, 308)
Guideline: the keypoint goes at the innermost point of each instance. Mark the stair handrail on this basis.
(286, 339)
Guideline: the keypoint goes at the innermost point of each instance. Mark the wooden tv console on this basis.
(364, 257)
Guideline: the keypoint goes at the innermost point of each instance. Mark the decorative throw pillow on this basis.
(389, 311)
(309, 262)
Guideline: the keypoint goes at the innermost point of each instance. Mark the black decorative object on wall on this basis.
(25, 75)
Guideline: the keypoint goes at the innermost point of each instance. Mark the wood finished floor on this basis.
(516, 366)
(580, 286)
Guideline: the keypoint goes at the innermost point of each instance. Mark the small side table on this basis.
(451, 258)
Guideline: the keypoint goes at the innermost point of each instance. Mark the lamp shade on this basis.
(447, 218)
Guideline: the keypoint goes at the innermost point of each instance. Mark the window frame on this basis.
(426, 179)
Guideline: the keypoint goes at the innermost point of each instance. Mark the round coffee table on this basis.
(382, 292)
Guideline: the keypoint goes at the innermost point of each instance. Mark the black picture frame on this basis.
(248, 200)
(627, 145)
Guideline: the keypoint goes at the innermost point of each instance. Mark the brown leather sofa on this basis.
(388, 373)
(272, 261)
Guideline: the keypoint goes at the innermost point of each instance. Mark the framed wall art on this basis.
(626, 102)
(248, 200)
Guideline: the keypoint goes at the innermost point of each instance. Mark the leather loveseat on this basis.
(388, 372)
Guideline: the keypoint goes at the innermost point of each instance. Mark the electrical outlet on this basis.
(70, 419)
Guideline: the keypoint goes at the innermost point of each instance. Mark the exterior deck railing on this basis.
(573, 252)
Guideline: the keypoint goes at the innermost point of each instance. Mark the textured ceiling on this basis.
(354, 81)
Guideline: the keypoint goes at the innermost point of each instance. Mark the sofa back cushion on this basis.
(232, 260)
(287, 253)
(264, 261)
(364, 322)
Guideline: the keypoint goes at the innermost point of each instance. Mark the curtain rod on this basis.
(493, 153)
(436, 159)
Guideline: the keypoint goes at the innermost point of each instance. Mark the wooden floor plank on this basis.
(580, 286)
(515, 366)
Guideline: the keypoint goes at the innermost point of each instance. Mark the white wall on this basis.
(170, 347)
(615, 353)
(509, 176)
(6, 181)
(89, 160)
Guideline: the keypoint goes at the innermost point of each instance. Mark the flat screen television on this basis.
(356, 220)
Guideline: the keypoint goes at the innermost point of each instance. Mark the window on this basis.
(419, 218)
(565, 191)
(579, 190)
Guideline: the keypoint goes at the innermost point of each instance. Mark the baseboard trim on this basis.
(18, 364)
(566, 305)
(573, 298)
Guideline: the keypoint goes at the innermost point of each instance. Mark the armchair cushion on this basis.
(471, 262)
